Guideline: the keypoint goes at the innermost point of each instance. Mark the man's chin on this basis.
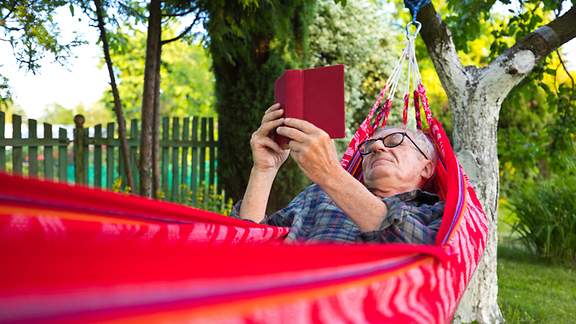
(376, 175)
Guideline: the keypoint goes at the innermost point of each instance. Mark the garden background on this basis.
(218, 60)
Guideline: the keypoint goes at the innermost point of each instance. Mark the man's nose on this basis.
(379, 147)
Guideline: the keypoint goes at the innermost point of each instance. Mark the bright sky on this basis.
(81, 81)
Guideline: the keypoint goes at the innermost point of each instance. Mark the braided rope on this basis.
(378, 115)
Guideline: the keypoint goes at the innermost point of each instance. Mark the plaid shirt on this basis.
(413, 217)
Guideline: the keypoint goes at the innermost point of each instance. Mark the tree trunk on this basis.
(116, 94)
(475, 96)
(156, 129)
(148, 96)
(245, 67)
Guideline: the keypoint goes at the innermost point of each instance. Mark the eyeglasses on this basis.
(390, 141)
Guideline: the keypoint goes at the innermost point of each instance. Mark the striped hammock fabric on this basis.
(71, 253)
(77, 254)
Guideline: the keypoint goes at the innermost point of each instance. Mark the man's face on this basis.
(395, 169)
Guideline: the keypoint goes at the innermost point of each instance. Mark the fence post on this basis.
(110, 155)
(194, 178)
(133, 148)
(79, 167)
(203, 148)
(17, 147)
(212, 149)
(63, 154)
(98, 156)
(48, 153)
(164, 156)
(33, 148)
(175, 194)
(185, 142)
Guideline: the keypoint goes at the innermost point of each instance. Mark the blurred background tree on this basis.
(57, 114)
(352, 35)
(251, 43)
(187, 80)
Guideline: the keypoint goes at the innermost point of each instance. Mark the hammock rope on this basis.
(414, 6)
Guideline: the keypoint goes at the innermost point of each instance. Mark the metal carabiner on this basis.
(418, 27)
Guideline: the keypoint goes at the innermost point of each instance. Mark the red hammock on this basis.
(71, 253)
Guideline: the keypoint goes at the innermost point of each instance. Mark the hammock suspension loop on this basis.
(416, 25)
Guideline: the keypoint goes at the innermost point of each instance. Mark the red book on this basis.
(315, 95)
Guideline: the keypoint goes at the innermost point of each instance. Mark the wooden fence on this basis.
(187, 159)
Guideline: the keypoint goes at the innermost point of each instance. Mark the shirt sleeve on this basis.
(406, 223)
(284, 216)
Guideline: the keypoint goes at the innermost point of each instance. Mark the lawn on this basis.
(532, 289)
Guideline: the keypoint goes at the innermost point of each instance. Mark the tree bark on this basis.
(148, 99)
(116, 94)
(156, 129)
(475, 96)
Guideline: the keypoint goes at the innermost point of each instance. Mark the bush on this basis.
(546, 216)
(207, 198)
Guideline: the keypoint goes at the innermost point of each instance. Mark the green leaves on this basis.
(187, 86)
(546, 216)
(32, 33)
(339, 35)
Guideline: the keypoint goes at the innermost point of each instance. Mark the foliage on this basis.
(5, 93)
(187, 86)
(536, 122)
(205, 197)
(251, 43)
(57, 114)
(546, 216)
(30, 29)
(28, 26)
(352, 35)
(119, 186)
(10, 108)
(531, 290)
(538, 116)
(467, 19)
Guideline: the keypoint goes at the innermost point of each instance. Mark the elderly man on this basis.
(389, 207)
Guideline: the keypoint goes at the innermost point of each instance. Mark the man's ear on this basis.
(428, 170)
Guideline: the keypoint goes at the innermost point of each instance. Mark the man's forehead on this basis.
(381, 132)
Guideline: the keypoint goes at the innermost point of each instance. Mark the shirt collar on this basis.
(418, 195)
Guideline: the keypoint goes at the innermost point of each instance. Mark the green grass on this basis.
(532, 289)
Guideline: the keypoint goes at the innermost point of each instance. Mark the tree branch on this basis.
(442, 51)
(183, 33)
(517, 62)
(10, 11)
(180, 14)
(118, 110)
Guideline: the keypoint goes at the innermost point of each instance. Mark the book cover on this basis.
(315, 95)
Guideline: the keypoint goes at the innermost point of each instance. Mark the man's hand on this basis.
(267, 154)
(268, 157)
(311, 148)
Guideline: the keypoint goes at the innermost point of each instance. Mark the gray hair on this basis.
(425, 144)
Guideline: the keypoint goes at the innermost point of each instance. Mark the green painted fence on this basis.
(188, 154)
